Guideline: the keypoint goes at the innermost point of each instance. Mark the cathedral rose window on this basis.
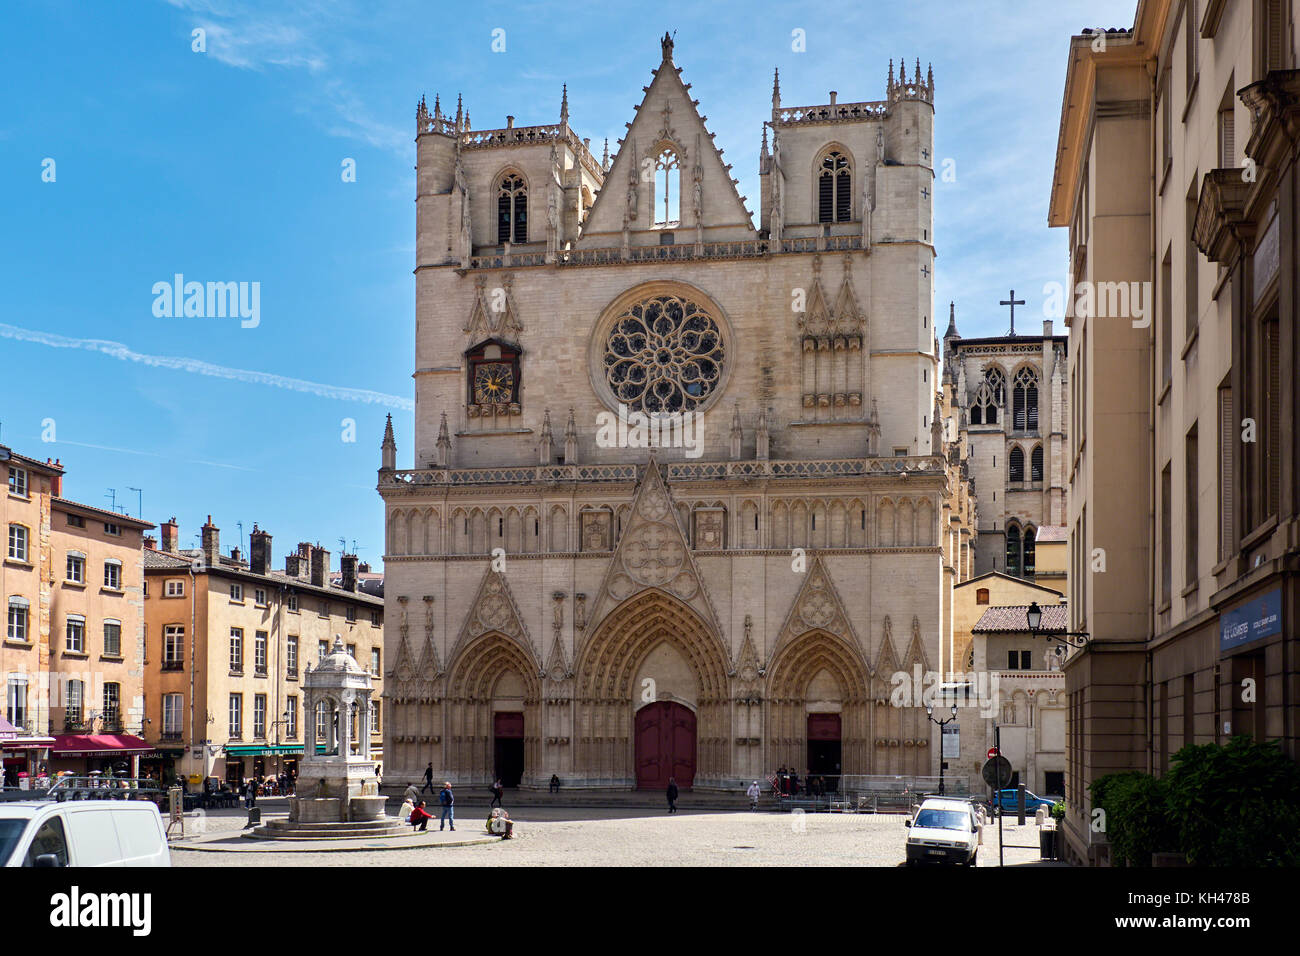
(664, 353)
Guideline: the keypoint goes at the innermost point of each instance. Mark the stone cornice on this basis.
(1221, 224)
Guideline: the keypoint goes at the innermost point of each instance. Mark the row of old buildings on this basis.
(128, 653)
(1176, 179)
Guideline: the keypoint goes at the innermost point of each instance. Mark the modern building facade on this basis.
(569, 595)
(1176, 177)
(228, 639)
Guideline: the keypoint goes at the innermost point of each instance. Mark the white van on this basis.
(944, 831)
(83, 833)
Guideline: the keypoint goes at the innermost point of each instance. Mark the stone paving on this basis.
(555, 836)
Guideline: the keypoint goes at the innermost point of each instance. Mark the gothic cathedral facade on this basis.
(681, 503)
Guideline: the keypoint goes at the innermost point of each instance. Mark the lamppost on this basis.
(929, 712)
(275, 727)
(1034, 618)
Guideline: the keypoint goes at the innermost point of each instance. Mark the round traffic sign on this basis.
(993, 752)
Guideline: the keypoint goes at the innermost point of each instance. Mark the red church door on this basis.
(665, 745)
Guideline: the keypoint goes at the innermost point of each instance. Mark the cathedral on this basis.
(683, 501)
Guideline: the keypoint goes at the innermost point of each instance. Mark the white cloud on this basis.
(198, 367)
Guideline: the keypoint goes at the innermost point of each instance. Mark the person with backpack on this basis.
(497, 792)
(448, 801)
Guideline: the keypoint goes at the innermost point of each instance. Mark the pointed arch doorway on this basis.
(665, 745)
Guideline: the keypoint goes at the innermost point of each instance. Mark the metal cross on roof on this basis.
(1013, 302)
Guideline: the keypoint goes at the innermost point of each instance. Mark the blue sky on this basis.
(225, 165)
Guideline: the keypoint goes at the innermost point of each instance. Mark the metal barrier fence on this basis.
(872, 793)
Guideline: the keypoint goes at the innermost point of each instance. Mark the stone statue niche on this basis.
(336, 782)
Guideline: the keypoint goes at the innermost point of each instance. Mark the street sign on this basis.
(997, 772)
(993, 752)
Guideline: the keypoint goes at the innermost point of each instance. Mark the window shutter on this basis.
(825, 198)
(1274, 35)
(1227, 139)
(1274, 405)
(1227, 434)
(843, 196)
(503, 218)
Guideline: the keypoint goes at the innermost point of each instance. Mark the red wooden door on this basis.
(665, 745)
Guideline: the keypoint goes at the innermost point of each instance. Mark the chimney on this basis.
(348, 564)
(150, 542)
(320, 568)
(211, 537)
(260, 551)
(170, 531)
(56, 483)
(363, 568)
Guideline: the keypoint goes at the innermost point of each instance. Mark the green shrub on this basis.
(1236, 805)
(1137, 816)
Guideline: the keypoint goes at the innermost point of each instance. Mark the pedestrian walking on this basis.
(428, 778)
(497, 792)
(753, 793)
(250, 793)
(448, 801)
(672, 794)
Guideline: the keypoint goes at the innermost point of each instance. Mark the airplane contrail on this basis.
(198, 367)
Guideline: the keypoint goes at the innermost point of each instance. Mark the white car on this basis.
(82, 833)
(944, 831)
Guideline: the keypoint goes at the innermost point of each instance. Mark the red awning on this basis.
(98, 745)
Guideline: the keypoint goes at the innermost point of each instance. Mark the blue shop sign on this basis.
(1252, 621)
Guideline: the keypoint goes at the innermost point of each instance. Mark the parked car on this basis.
(83, 833)
(1007, 801)
(944, 831)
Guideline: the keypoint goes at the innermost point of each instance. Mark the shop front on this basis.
(162, 763)
(260, 761)
(23, 755)
(84, 754)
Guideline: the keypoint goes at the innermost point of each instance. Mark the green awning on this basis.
(264, 750)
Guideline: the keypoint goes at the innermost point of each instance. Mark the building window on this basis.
(1166, 536)
(1024, 399)
(351, 614)
(112, 712)
(112, 529)
(259, 652)
(1016, 465)
(237, 650)
(1192, 521)
(259, 597)
(291, 717)
(1027, 552)
(75, 691)
(18, 542)
(173, 647)
(17, 481)
(352, 651)
(172, 709)
(112, 638)
(18, 611)
(982, 596)
(16, 702)
(324, 609)
(374, 662)
(76, 634)
(1013, 550)
(1190, 33)
(292, 601)
(664, 353)
(236, 716)
(323, 724)
(291, 655)
(1227, 435)
(175, 589)
(1036, 464)
(512, 209)
(375, 729)
(113, 575)
(668, 187)
(1018, 661)
(237, 593)
(76, 521)
(377, 618)
(323, 647)
(259, 717)
(835, 189)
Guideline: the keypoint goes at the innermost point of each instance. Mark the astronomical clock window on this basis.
(664, 354)
(493, 379)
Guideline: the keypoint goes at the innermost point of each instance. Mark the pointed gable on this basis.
(817, 607)
(667, 116)
(494, 609)
(653, 553)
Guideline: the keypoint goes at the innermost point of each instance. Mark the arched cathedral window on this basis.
(512, 209)
(1013, 550)
(835, 189)
(1016, 465)
(1025, 400)
(668, 187)
(1027, 552)
(1036, 464)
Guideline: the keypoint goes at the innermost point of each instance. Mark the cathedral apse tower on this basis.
(619, 614)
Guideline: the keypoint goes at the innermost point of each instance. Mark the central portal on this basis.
(665, 745)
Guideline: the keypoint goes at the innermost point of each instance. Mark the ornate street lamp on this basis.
(929, 712)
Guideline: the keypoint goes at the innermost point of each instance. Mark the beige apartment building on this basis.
(228, 639)
(1176, 177)
(73, 583)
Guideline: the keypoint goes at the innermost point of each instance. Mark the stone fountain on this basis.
(337, 792)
